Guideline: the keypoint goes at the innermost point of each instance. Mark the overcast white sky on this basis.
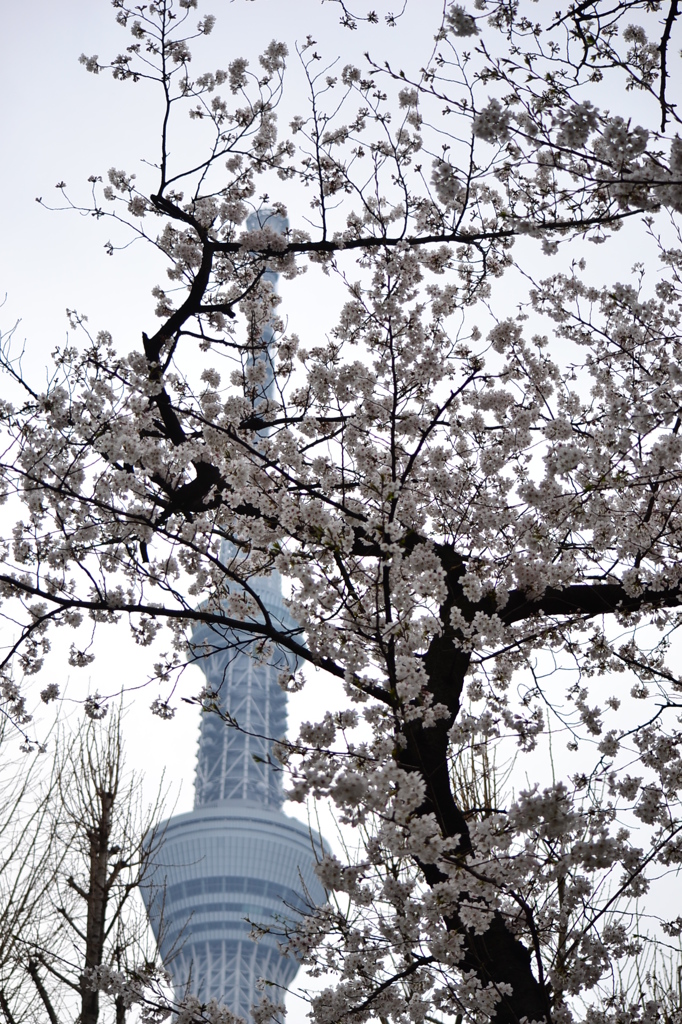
(57, 122)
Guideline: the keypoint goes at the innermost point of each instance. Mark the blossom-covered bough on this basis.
(475, 499)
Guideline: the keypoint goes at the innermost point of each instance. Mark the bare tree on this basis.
(70, 898)
(27, 865)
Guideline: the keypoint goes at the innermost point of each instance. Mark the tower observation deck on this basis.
(236, 859)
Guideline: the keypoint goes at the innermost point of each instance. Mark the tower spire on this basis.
(236, 859)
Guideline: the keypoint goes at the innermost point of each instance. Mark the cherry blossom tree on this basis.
(473, 497)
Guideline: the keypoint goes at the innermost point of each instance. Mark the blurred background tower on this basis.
(236, 856)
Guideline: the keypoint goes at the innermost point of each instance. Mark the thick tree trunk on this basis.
(497, 956)
(100, 838)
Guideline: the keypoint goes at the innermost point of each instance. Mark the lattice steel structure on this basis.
(236, 859)
(233, 763)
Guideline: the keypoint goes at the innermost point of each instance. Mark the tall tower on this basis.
(236, 860)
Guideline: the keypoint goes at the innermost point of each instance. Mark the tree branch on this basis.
(32, 969)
